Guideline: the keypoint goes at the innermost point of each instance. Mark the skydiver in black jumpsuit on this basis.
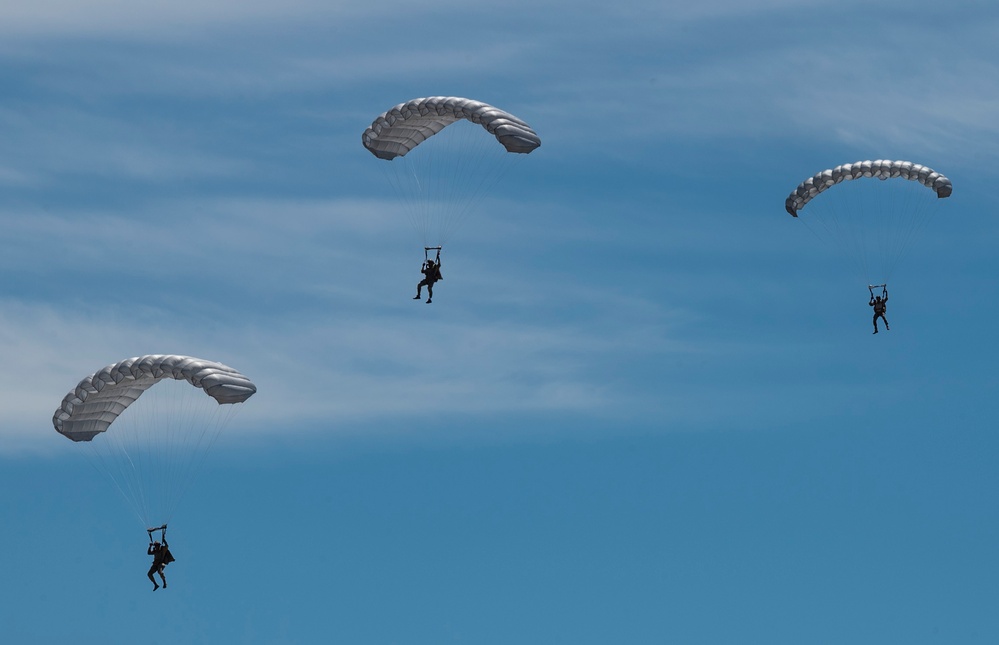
(880, 306)
(161, 557)
(431, 273)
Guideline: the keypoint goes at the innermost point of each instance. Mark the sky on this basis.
(645, 405)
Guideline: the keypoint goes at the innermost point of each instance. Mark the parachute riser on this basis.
(161, 529)
(884, 289)
(426, 254)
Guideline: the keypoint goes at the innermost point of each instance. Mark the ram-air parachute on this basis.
(152, 448)
(871, 222)
(442, 154)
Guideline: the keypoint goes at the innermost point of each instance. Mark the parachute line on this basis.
(441, 182)
(148, 424)
(875, 216)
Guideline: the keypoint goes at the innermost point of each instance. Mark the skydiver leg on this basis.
(152, 570)
(875, 323)
(430, 292)
(419, 289)
(162, 577)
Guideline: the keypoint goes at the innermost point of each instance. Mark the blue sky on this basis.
(645, 406)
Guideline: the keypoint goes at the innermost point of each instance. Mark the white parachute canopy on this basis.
(443, 154)
(872, 223)
(153, 448)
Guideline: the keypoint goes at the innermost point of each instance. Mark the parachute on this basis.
(444, 153)
(152, 449)
(872, 223)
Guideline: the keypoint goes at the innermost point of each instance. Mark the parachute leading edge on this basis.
(879, 168)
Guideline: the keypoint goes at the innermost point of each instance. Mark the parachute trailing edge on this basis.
(396, 132)
(91, 407)
(879, 168)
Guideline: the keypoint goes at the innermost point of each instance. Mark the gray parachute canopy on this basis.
(879, 168)
(407, 125)
(96, 402)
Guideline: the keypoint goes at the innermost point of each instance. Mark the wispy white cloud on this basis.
(689, 71)
(310, 299)
(51, 143)
(941, 92)
(15, 177)
(68, 18)
(327, 370)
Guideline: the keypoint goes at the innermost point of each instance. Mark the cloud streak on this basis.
(314, 372)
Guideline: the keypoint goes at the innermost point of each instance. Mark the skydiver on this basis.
(431, 273)
(161, 556)
(880, 304)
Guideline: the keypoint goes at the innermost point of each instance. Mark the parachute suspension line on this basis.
(405, 182)
(107, 454)
(122, 457)
(472, 165)
(158, 445)
(121, 472)
(192, 423)
(912, 209)
(871, 223)
(147, 424)
(840, 219)
(897, 212)
(454, 149)
(211, 431)
(442, 179)
(450, 164)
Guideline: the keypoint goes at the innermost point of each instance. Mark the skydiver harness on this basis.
(884, 298)
(161, 529)
(164, 557)
(437, 263)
